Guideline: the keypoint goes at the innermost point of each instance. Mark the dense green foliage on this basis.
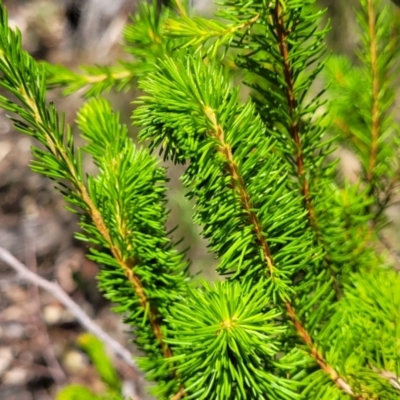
(309, 305)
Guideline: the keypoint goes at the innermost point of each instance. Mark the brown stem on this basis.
(282, 35)
(239, 186)
(127, 265)
(295, 133)
(316, 354)
(393, 379)
(292, 103)
(375, 92)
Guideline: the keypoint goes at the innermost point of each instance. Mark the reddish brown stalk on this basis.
(316, 354)
(292, 102)
(295, 133)
(239, 186)
(375, 92)
(127, 267)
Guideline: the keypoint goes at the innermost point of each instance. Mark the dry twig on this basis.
(55, 368)
(53, 288)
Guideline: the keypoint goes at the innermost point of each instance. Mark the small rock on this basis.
(52, 314)
(15, 294)
(16, 312)
(74, 362)
(5, 359)
(16, 376)
(13, 331)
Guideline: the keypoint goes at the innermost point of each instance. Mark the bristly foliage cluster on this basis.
(365, 124)
(309, 307)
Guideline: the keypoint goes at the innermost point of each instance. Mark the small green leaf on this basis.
(95, 350)
(76, 392)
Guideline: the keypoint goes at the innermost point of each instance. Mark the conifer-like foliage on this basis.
(309, 305)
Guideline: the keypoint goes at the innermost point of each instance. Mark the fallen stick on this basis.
(55, 289)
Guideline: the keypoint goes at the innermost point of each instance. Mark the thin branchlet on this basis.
(295, 130)
(375, 92)
(239, 186)
(127, 266)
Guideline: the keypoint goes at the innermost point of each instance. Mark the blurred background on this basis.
(34, 226)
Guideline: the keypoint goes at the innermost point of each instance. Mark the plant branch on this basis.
(375, 92)
(179, 395)
(316, 354)
(282, 36)
(239, 185)
(127, 265)
(59, 144)
(53, 288)
(292, 103)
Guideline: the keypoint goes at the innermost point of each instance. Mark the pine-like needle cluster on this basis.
(309, 307)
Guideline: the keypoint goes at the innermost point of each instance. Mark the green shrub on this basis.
(309, 308)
